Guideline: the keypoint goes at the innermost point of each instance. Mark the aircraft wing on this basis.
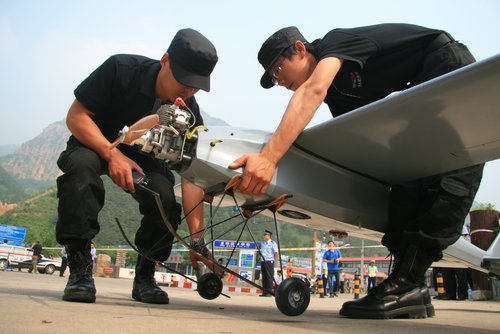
(441, 125)
(340, 172)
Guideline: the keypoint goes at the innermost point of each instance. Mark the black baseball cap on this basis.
(273, 47)
(192, 58)
(268, 232)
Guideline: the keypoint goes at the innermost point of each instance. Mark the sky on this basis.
(49, 47)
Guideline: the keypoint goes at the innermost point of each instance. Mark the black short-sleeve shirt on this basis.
(37, 249)
(378, 60)
(121, 91)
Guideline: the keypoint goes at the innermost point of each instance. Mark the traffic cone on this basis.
(230, 278)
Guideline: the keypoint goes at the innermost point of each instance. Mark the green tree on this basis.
(483, 206)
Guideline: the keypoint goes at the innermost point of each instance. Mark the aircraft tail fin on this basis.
(486, 261)
(491, 260)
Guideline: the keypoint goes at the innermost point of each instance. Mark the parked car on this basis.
(45, 265)
(20, 257)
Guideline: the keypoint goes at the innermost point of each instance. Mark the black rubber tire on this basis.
(49, 269)
(292, 296)
(4, 264)
(209, 286)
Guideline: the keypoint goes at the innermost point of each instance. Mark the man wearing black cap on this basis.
(268, 252)
(347, 69)
(121, 91)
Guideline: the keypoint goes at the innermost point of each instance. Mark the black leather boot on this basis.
(402, 294)
(145, 288)
(426, 296)
(80, 286)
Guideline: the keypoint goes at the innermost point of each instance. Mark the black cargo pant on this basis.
(81, 196)
(267, 269)
(430, 212)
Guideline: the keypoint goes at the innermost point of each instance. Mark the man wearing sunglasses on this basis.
(347, 69)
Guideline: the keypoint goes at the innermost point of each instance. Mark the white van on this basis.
(13, 255)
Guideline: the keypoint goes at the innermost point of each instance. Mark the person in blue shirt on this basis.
(268, 252)
(332, 258)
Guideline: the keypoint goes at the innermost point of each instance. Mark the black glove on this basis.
(198, 244)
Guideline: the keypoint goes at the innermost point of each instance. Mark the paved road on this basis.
(32, 304)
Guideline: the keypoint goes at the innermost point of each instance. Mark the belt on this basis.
(441, 40)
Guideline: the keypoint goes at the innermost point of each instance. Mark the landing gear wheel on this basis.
(292, 296)
(209, 286)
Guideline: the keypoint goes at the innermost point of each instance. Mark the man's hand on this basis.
(199, 247)
(259, 171)
(194, 257)
(120, 170)
(83, 127)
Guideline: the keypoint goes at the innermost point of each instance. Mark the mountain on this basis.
(214, 121)
(31, 170)
(39, 215)
(10, 190)
(35, 161)
(7, 149)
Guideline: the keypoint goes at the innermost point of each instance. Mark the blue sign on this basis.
(247, 260)
(13, 234)
(245, 274)
(233, 262)
(233, 244)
